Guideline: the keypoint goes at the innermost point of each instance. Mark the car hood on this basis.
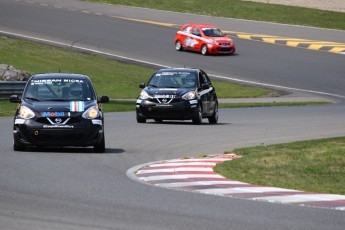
(59, 106)
(168, 91)
(221, 39)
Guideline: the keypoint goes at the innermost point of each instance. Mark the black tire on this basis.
(100, 148)
(18, 147)
(178, 46)
(197, 119)
(204, 50)
(140, 119)
(214, 118)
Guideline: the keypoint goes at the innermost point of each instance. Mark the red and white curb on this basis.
(197, 175)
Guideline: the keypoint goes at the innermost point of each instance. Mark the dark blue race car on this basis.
(59, 109)
(177, 94)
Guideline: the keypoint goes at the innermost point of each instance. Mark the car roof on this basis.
(200, 25)
(179, 69)
(59, 75)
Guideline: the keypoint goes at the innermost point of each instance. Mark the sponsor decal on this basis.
(19, 121)
(55, 114)
(97, 122)
(190, 42)
(58, 126)
(163, 105)
(77, 106)
(164, 96)
(51, 81)
(168, 89)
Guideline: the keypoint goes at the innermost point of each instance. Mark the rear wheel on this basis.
(204, 50)
(214, 118)
(178, 45)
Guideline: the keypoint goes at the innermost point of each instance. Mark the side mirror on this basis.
(14, 99)
(103, 99)
(205, 86)
(142, 85)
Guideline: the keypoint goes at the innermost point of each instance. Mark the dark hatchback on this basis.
(59, 109)
(177, 94)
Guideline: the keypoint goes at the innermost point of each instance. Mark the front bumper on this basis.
(218, 49)
(31, 133)
(182, 110)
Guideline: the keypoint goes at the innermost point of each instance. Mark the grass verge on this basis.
(110, 77)
(244, 10)
(312, 166)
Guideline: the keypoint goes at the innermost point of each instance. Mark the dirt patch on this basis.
(331, 5)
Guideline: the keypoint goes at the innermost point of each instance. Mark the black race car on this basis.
(59, 109)
(177, 94)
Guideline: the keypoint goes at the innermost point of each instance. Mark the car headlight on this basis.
(91, 113)
(25, 113)
(189, 96)
(144, 95)
(213, 41)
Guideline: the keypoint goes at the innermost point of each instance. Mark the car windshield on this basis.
(59, 89)
(173, 79)
(212, 32)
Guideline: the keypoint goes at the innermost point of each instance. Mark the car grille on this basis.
(166, 100)
(224, 49)
(72, 120)
(224, 44)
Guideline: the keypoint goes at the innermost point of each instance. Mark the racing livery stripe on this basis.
(197, 175)
(77, 106)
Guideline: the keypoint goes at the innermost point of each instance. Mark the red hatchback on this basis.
(203, 38)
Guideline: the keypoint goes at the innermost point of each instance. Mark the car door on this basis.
(209, 97)
(196, 36)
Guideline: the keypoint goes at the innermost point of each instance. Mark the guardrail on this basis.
(8, 88)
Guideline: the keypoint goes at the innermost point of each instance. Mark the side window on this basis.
(203, 78)
(196, 31)
(187, 29)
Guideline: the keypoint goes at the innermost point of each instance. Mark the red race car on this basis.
(203, 38)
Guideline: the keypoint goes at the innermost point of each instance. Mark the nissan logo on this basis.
(58, 120)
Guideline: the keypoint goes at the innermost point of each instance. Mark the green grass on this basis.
(270, 104)
(245, 10)
(313, 166)
(110, 77)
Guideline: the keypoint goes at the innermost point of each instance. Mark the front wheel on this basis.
(18, 147)
(100, 148)
(141, 119)
(197, 119)
(214, 118)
